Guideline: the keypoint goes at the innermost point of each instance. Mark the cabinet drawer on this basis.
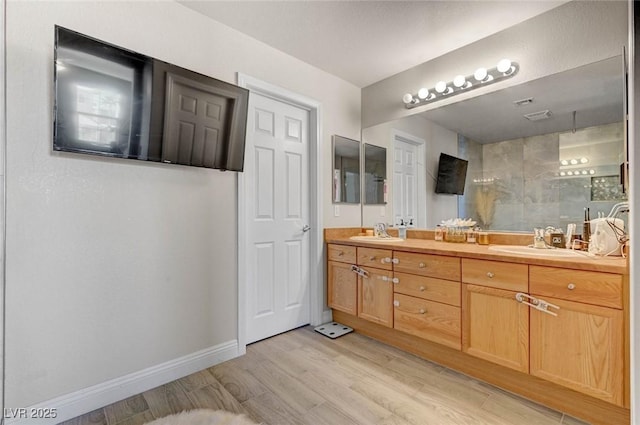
(428, 319)
(596, 288)
(427, 265)
(429, 288)
(496, 274)
(374, 257)
(342, 253)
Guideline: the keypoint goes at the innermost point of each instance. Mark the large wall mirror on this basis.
(346, 170)
(539, 152)
(375, 174)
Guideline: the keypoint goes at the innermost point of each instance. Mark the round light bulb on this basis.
(504, 65)
(407, 98)
(574, 162)
(562, 173)
(570, 173)
(459, 81)
(480, 74)
(584, 172)
(441, 86)
(423, 93)
(564, 162)
(584, 160)
(592, 172)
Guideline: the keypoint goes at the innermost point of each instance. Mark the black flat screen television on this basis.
(113, 102)
(452, 173)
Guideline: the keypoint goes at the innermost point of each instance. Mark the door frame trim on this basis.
(421, 166)
(316, 269)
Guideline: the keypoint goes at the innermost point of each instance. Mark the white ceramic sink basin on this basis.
(375, 239)
(537, 252)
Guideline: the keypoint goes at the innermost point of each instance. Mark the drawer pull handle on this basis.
(422, 311)
(396, 303)
(340, 254)
(422, 265)
(395, 280)
(395, 261)
(385, 260)
(372, 258)
(422, 288)
(490, 275)
(571, 286)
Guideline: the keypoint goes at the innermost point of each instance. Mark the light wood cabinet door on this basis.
(581, 348)
(375, 297)
(342, 287)
(495, 326)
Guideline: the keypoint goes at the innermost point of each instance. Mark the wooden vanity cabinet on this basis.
(581, 348)
(342, 282)
(495, 325)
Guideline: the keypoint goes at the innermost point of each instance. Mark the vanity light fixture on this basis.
(481, 77)
(574, 173)
(574, 161)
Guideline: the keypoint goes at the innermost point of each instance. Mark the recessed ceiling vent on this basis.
(537, 116)
(523, 102)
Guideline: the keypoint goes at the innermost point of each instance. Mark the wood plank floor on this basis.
(302, 377)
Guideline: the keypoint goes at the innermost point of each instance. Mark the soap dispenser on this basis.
(402, 230)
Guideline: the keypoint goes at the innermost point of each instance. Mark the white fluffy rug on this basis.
(203, 417)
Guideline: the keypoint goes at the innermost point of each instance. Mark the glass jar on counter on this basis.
(456, 234)
(439, 233)
(472, 235)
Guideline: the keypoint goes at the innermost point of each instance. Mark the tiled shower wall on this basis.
(523, 177)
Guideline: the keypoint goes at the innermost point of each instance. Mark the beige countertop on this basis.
(467, 250)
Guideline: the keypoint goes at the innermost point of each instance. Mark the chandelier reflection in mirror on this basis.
(481, 77)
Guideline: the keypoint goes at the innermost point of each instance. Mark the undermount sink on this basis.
(537, 252)
(376, 239)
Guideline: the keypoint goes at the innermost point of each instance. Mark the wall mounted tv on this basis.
(113, 102)
(452, 173)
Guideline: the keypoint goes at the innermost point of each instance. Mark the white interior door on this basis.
(277, 214)
(405, 182)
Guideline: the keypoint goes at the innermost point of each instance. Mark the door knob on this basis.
(306, 228)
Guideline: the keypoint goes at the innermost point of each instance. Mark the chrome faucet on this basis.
(380, 230)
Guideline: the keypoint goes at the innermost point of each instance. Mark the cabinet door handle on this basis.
(422, 288)
(536, 303)
(396, 303)
(372, 258)
(340, 254)
(395, 280)
(571, 286)
(422, 311)
(395, 261)
(422, 265)
(385, 260)
(490, 275)
(359, 271)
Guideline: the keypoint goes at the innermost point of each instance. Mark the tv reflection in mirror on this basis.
(113, 102)
(452, 173)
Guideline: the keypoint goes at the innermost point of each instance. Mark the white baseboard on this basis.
(80, 402)
(326, 316)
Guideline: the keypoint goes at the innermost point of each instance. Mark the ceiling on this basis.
(364, 42)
